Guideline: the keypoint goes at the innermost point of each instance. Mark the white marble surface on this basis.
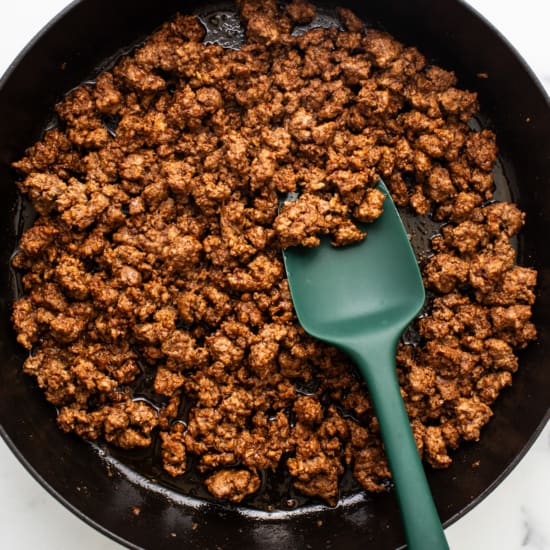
(515, 516)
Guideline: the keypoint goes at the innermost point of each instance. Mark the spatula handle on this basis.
(420, 519)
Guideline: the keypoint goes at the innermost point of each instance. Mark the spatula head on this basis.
(374, 285)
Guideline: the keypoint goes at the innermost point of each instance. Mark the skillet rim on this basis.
(497, 35)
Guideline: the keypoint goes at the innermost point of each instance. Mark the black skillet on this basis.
(104, 491)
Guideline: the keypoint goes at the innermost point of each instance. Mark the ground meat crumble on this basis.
(156, 251)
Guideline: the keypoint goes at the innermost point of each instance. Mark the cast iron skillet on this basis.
(85, 479)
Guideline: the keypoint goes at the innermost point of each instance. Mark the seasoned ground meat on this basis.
(154, 266)
(233, 485)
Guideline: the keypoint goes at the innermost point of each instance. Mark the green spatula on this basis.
(360, 299)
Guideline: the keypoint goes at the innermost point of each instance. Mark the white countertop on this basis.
(515, 516)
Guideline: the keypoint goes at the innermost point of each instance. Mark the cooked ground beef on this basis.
(156, 252)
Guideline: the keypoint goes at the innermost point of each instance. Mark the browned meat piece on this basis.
(173, 450)
(188, 27)
(300, 11)
(260, 274)
(233, 485)
(308, 410)
(347, 233)
(315, 467)
(435, 448)
(127, 425)
(108, 97)
(167, 382)
(490, 385)
(351, 22)
(445, 271)
(381, 47)
(263, 446)
(516, 286)
(371, 207)
(466, 237)
(301, 221)
(481, 149)
(503, 217)
(24, 322)
(44, 190)
(471, 416)
(370, 468)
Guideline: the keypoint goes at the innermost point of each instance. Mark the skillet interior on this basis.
(69, 52)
